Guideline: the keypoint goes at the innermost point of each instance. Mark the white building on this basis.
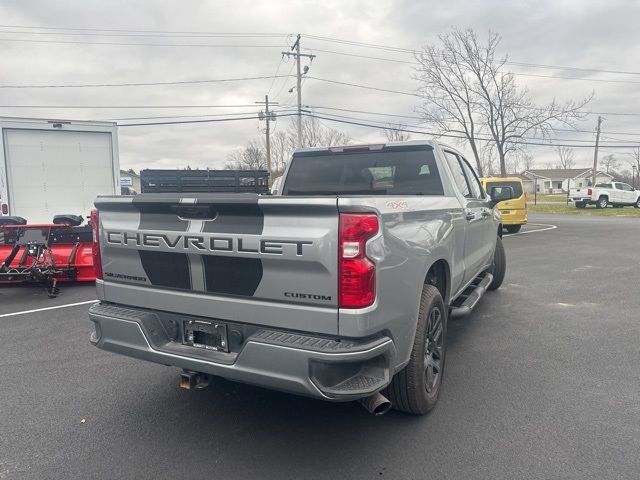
(559, 180)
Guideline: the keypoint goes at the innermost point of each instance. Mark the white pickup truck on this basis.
(616, 194)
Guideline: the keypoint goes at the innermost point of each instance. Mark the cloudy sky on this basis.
(600, 35)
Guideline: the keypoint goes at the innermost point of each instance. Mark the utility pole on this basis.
(297, 55)
(267, 116)
(595, 153)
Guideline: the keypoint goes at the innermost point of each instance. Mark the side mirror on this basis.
(500, 194)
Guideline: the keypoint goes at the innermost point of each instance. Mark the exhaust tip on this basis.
(376, 404)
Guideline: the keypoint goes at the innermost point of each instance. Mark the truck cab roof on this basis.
(367, 147)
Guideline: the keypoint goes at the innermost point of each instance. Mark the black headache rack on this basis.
(200, 181)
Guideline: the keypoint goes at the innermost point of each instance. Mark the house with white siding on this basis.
(560, 180)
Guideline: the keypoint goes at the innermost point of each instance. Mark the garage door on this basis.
(57, 172)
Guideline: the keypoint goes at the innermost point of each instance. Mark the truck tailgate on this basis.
(579, 193)
(224, 256)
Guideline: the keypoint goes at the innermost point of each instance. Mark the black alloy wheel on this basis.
(433, 351)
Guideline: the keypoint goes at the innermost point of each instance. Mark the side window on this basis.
(474, 183)
(626, 187)
(458, 173)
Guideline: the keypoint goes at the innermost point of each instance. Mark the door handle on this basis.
(470, 215)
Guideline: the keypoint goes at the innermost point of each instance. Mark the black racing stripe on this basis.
(166, 269)
(158, 217)
(244, 218)
(232, 275)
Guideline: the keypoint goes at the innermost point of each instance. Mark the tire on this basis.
(637, 204)
(580, 205)
(499, 266)
(603, 202)
(513, 228)
(415, 389)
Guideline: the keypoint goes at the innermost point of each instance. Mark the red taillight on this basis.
(5, 209)
(589, 191)
(97, 258)
(357, 274)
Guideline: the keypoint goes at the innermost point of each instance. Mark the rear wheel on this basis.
(603, 202)
(513, 228)
(416, 388)
(499, 266)
(580, 205)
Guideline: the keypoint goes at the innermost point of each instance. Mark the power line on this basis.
(196, 34)
(275, 75)
(581, 69)
(363, 111)
(603, 80)
(284, 84)
(390, 48)
(309, 106)
(147, 35)
(387, 114)
(418, 95)
(409, 130)
(619, 139)
(142, 31)
(148, 84)
(364, 86)
(181, 122)
(126, 106)
(487, 139)
(521, 74)
(203, 115)
(78, 42)
(362, 56)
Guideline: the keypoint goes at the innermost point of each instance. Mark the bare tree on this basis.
(528, 160)
(395, 133)
(316, 134)
(508, 110)
(635, 161)
(283, 142)
(281, 149)
(609, 162)
(626, 176)
(565, 157)
(450, 103)
(470, 88)
(487, 160)
(252, 157)
(513, 164)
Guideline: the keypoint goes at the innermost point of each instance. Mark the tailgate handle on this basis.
(194, 212)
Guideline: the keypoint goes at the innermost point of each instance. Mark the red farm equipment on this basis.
(46, 253)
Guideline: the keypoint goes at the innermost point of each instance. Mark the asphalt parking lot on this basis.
(542, 381)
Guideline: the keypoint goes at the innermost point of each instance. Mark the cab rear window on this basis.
(516, 186)
(364, 173)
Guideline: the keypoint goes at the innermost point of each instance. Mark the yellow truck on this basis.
(514, 211)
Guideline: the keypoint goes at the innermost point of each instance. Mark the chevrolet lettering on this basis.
(206, 243)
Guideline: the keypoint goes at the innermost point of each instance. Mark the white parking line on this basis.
(47, 308)
(545, 226)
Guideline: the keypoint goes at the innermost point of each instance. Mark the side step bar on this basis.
(478, 289)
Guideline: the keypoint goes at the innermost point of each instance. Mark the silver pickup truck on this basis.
(339, 286)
